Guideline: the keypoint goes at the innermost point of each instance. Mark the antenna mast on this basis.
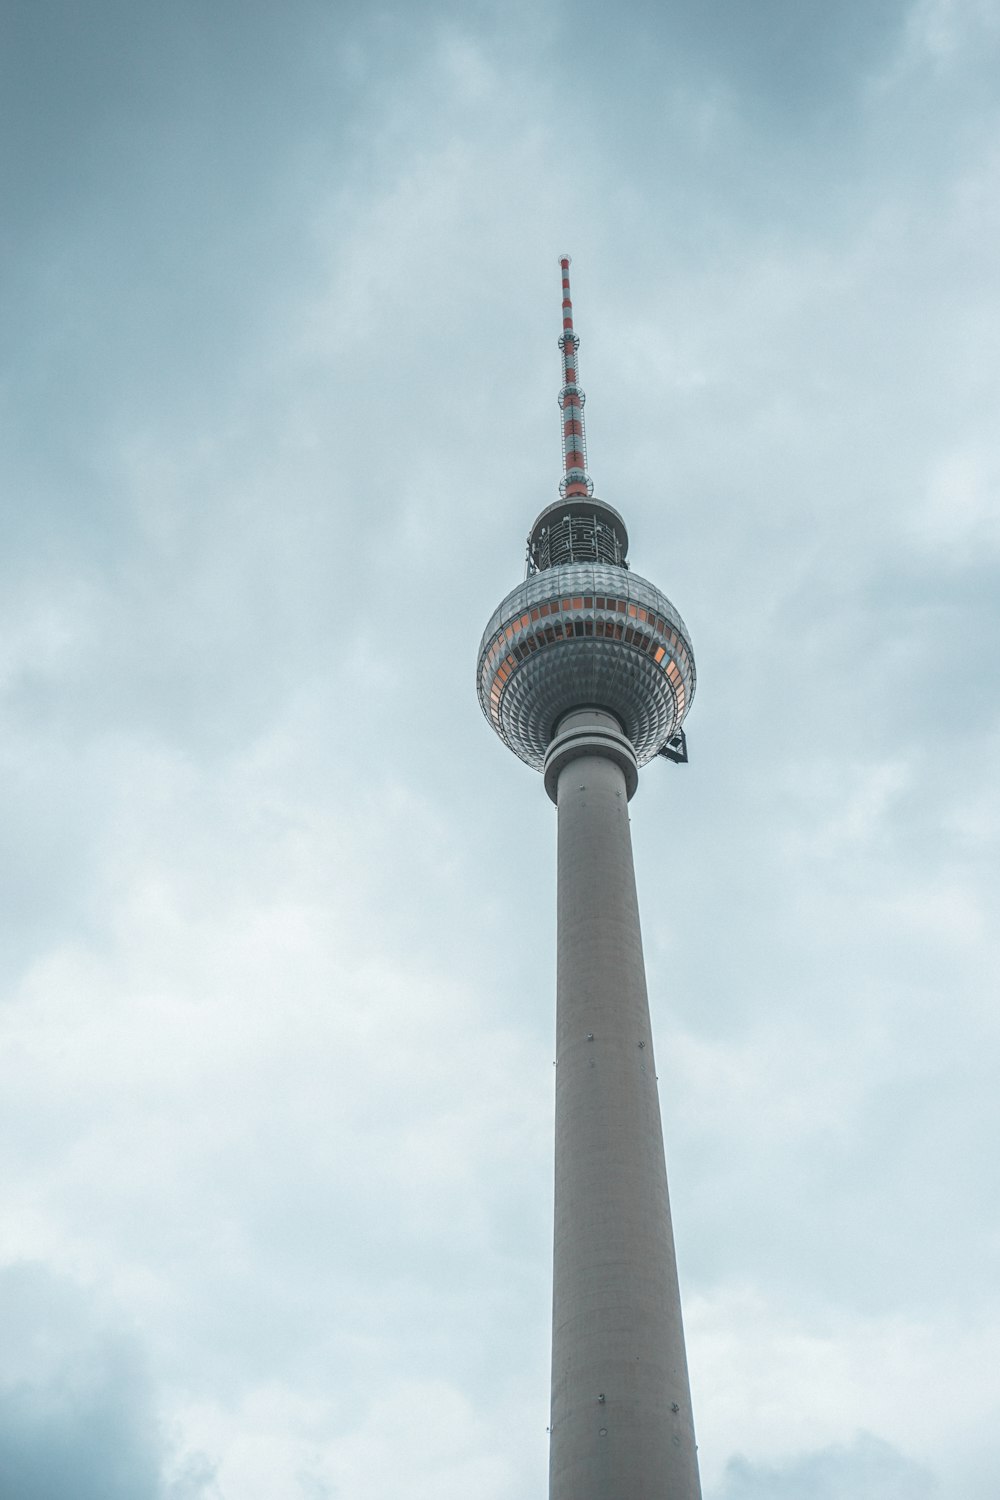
(575, 480)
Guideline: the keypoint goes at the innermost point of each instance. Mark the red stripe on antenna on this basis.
(575, 480)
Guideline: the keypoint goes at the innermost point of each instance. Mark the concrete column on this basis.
(621, 1424)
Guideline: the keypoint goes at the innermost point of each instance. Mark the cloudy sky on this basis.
(279, 303)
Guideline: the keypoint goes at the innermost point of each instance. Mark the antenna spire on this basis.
(575, 480)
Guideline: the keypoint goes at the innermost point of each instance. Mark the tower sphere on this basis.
(584, 631)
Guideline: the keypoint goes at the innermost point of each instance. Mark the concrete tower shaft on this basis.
(621, 1422)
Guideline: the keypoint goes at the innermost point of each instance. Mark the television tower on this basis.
(586, 672)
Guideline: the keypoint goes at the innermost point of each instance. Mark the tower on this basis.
(586, 672)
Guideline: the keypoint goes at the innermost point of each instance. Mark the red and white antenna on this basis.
(575, 480)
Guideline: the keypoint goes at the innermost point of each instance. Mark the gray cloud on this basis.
(867, 1469)
(77, 1413)
(786, 61)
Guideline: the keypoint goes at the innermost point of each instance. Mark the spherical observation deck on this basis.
(585, 635)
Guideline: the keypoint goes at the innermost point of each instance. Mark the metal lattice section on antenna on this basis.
(577, 532)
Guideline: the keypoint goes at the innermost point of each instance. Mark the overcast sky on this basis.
(280, 300)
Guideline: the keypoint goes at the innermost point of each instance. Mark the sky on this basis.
(279, 301)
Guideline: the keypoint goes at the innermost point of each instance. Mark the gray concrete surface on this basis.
(621, 1426)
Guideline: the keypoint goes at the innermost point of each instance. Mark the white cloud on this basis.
(769, 1386)
(942, 29)
(960, 518)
